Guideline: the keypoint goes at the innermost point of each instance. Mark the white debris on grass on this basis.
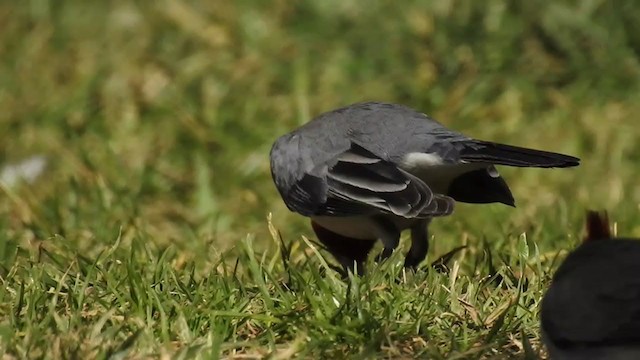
(27, 170)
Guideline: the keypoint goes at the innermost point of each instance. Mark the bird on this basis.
(368, 171)
(592, 307)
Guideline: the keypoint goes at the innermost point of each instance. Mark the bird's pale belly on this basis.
(359, 227)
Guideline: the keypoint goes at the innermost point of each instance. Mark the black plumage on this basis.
(592, 308)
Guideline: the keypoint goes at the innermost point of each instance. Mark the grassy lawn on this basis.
(155, 230)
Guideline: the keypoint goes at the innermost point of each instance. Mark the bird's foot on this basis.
(441, 264)
(384, 255)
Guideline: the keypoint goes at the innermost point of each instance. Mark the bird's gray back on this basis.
(389, 131)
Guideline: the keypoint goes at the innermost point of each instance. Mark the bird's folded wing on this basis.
(360, 182)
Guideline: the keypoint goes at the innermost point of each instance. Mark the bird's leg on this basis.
(388, 234)
(349, 252)
(419, 244)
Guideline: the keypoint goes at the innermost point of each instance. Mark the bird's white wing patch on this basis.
(431, 169)
(415, 161)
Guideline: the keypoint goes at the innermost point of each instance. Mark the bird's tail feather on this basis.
(502, 154)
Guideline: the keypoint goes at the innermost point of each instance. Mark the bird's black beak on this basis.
(480, 187)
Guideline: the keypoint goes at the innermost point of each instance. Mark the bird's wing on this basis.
(360, 179)
(357, 182)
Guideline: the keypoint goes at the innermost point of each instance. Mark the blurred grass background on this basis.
(156, 118)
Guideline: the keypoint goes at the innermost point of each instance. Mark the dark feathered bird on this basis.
(370, 170)
(592, 309)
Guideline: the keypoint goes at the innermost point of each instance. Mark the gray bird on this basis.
(369, 171)
(592, 308)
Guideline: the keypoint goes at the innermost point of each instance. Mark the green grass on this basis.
(148, 234)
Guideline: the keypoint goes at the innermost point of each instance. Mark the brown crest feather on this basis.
(597, 226)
